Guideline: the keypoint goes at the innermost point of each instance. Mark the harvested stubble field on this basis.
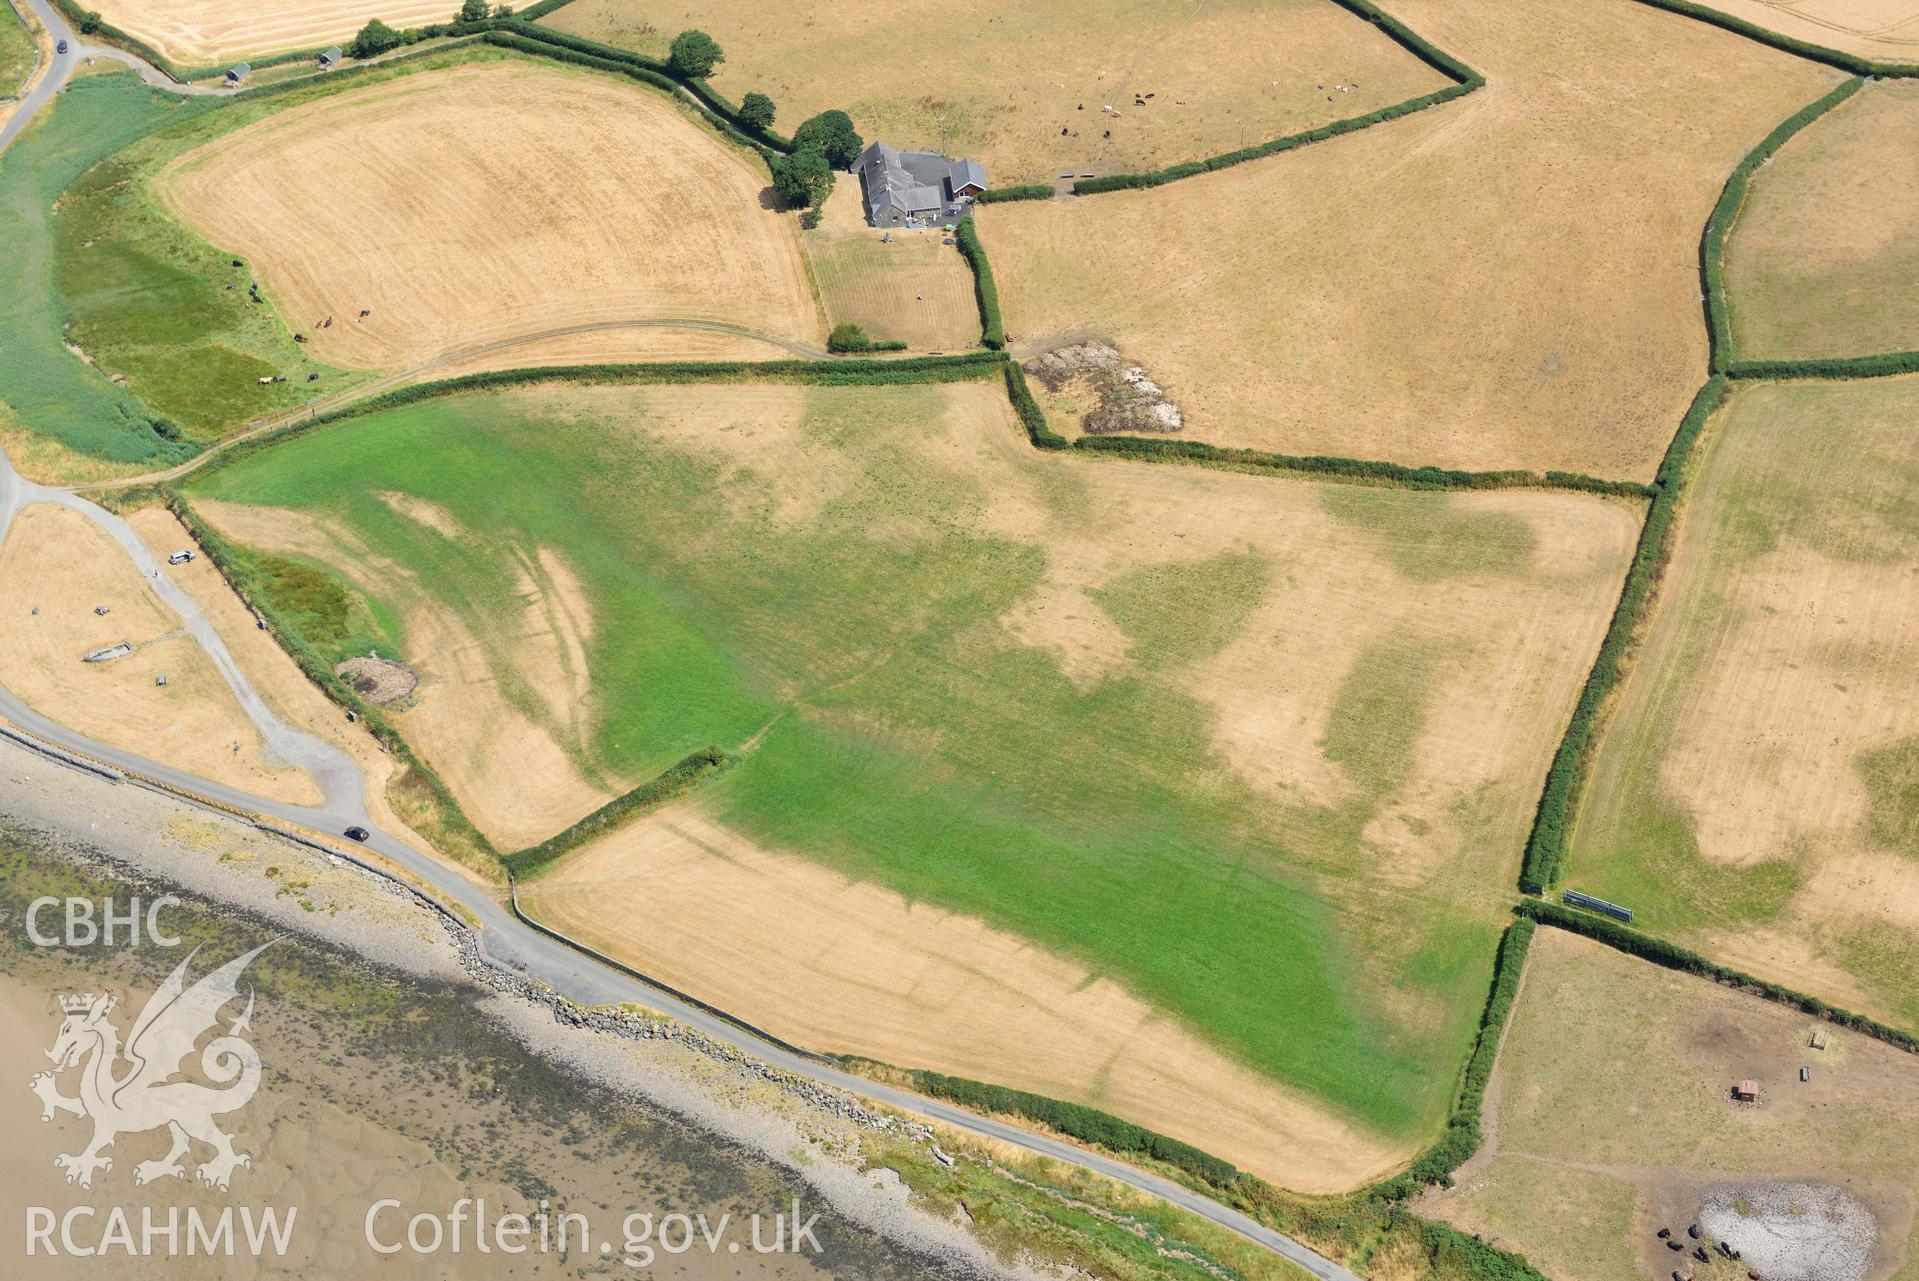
(55, 567)
(1824, 260)
(1609, 1116)
(197, 32)
(1757, 792)
(1883, 29)
(1287, 733)
(1509, 280)
(1007, 76)
(912, 288)
(558, 198)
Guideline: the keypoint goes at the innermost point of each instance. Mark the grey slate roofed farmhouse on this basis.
(906, 188)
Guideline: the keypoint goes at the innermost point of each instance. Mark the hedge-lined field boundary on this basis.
(1830, 368)
(1546, 845)
(1859, 66)
(1464, 1127)
(1732, 199)
(673, 782)
(1465, 80)
(656, 72)
(985, 291)
(1686, 961)
(253, 595)
(1021, 191)
(840, 372)
(1398, 475)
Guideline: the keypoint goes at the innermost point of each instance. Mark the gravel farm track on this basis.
(503, 936)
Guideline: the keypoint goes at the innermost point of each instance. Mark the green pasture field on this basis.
(1760, 778)
(96, 263)
(16, 51)
(854, 654)
(48, 389)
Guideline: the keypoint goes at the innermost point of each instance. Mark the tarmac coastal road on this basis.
(502, 937)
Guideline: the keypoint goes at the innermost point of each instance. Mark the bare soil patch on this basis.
(195, 32)
(559, 198)
(56, 568)
(1510, 280)
(1117, 395)
(1615, 1120)
(1023, 87)
(379, 680)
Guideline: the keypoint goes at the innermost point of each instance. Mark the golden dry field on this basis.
(1005, 78)
(1884, 29)
(56, 566)
(559, 199)
(910, 288)
(197, 32)
(1756, 794)
(1609, 1116)
(1824, 258)
(824, 961)
(1509, 280)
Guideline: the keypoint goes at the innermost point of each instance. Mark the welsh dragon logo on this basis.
(140, 1087)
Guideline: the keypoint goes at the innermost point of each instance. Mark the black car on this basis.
(61, 47)
(357, 833)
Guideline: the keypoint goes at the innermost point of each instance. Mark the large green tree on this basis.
(756, 109)
(833, 135)
(374, 38)
(695, 54)
(803, 178)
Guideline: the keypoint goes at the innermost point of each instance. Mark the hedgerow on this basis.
(457, 831)
(676, 780)
(1802, 48)
(992, 331)
(1089, 1125)
(1673, 957)
(1030, 415)
(849, 372)
(1023, 191)
(1836, 367)
(1364, 470)
(1463, 1127)
(655, 72)
(1451, 1255)
(1732, 198)
(1546, 846)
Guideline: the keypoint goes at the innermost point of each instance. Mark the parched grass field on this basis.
(1260, 752)
(558, 197)
(1005, 78)
(911, 288)
(1884, 29)
(1757, 791)
(55, 567)
(1508, 280)
(197, 32)
(1609, 1117)
(1824, 259)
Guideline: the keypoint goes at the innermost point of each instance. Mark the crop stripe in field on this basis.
(1859, 66)
(1671, 956)
(1725, 213)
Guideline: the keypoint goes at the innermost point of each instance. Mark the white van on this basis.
(179, 558)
